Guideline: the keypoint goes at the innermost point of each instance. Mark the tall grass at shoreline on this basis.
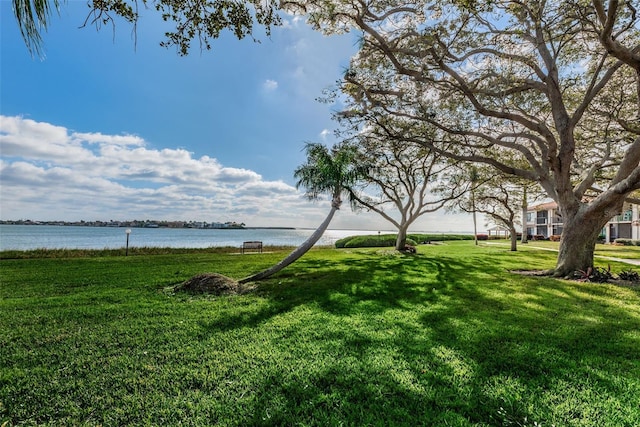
(342, 337)
(133, 251)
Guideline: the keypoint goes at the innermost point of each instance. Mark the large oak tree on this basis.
(548, 91)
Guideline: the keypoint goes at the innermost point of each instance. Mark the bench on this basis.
(253, 244)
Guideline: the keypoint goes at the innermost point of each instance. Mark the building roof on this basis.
(543, 206)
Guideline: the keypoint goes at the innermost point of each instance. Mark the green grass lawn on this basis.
(447, 337)
(623, 252)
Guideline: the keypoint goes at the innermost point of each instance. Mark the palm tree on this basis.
(33, 16)
(333, 172)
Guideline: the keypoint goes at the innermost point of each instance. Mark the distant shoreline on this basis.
(153, 225)
(133, 224)
(270, 228)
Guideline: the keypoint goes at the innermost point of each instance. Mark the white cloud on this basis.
(50, 173)
(25, 137)
(270, 85)
(291, 21)
(117, 140)
(324, 134)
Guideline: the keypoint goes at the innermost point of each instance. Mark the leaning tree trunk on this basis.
(297, 252)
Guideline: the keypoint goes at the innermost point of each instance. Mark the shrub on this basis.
(425, 238)
(594, 274)
(627, 242)
(629, 275)
(341, 242)
(370, 241)
(386, 240)
(482, 237)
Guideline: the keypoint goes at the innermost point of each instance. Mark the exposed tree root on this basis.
(537, 273)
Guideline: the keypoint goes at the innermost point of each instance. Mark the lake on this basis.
(25, 237)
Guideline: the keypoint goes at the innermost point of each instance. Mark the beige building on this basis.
(545, 220)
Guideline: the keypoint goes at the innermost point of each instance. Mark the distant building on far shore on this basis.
(134, 223)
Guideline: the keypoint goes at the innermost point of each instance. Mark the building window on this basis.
(541, 217)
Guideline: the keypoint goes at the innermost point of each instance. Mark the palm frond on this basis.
(33, 17)
(328, 171)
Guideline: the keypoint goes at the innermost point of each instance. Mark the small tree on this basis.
(501, 197)
(402, 177)
(326, 171)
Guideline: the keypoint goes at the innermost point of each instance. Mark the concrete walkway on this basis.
(626, 261)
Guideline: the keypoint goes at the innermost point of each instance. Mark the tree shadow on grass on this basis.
(369, 283)
(542, 341)
(454, 341)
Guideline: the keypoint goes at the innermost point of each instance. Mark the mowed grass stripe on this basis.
(342, 337)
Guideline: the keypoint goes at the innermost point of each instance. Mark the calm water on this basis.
(23, 237)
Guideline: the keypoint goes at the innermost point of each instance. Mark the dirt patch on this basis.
(212, 283)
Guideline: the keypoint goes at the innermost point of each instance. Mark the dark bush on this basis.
(630, 275)
(594, 274)
(482, 236)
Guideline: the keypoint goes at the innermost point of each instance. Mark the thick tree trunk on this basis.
(514, 239)
(401, 240)
(579, 235)
(475, 227)
(297, 253)
(523, 239)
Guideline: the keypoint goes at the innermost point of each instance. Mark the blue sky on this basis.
(105, 127)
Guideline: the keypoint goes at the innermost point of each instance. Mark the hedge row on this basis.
(386, 240)
(627, 242)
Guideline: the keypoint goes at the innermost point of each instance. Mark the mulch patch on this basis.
(212, 283)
